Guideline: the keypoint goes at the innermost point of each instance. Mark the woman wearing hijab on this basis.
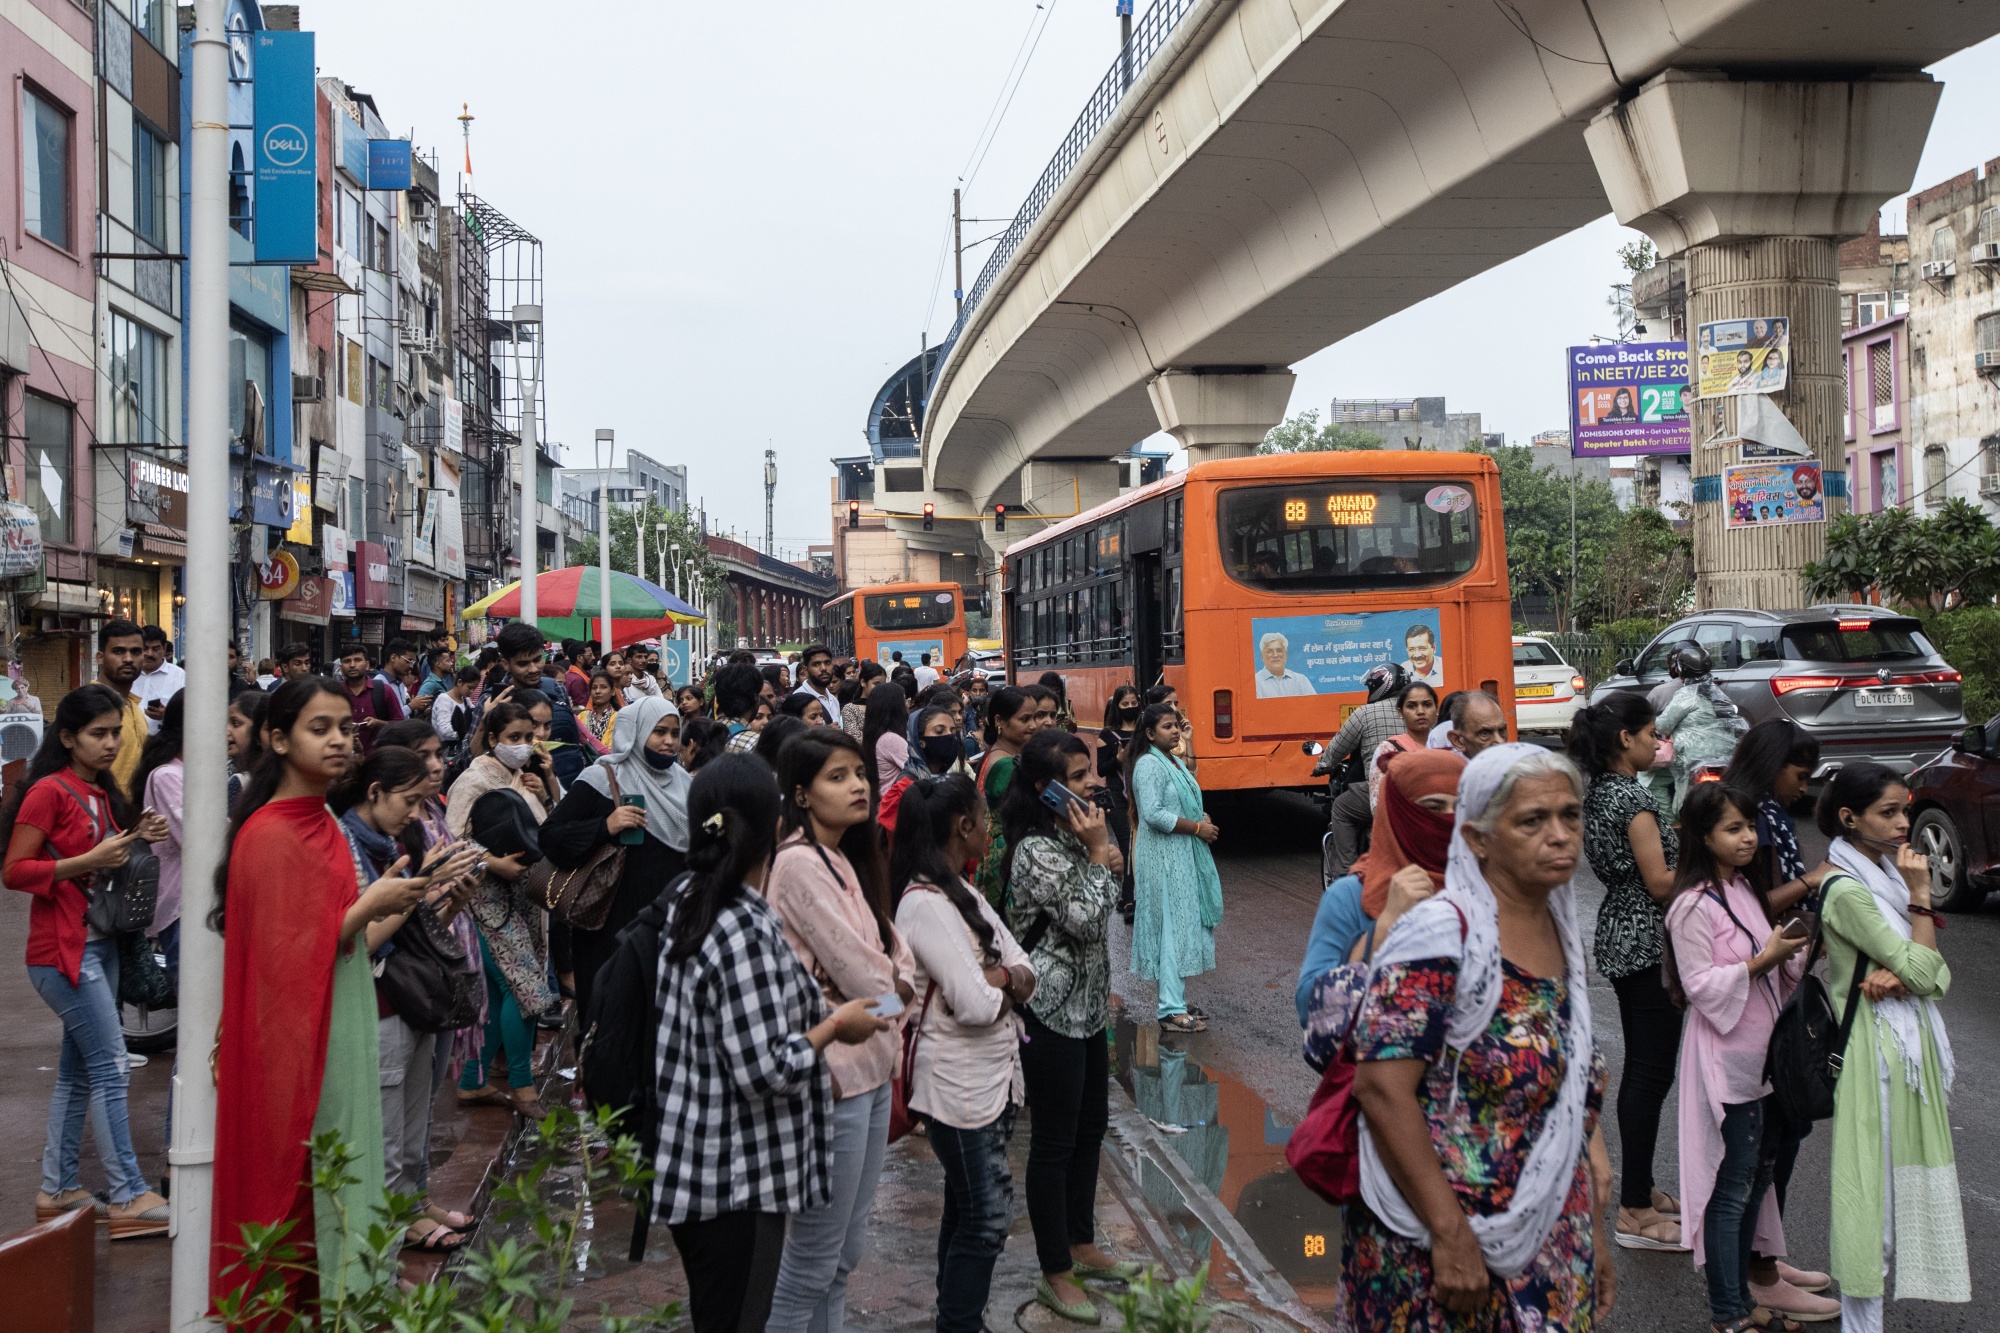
(637, 788)
(1479, 1083)
(1895, 1173)
(1404, 865)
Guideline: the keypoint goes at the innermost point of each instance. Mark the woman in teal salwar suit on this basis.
(1176, 889)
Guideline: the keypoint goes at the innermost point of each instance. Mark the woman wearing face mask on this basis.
(1179, 893)
(640, 789)
(1895, 1171)
(513, 939)
(1121, 720)
(1010, 723)
(830, 889)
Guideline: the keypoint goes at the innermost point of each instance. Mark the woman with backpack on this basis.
(829, 888)
(1178, 893)
(1895, 1172)
(964, 1058)
(1061, 872)
(1632, 848)
(746, 1112)
(1736, 970)
(69, 823)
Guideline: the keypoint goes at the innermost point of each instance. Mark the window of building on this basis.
(1989, 226)
(45, 131)
(1986, 332)
(379, 254)
(239, 190)
(138, 383)
(379, 381)
(1882, 385)
(1944, 245)
(50, 465)
(149, 185)
(155, 19)
(1934, 472)
(1872, 307)
(249, 366)
(1888, 479)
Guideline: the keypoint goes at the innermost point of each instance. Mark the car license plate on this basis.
(1884, 698)
(1535, 692)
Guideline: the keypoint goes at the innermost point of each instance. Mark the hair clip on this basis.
(713, 824)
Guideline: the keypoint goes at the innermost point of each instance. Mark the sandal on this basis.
(1197, 1011)
(529, 1107)
(1665, 1204)
(146, 1215)
(1771, 1319)
(1182, 1023)
(444, 1217)
(487, 1095)
(49, 1206)
(440, 1239)
(1645, 1229)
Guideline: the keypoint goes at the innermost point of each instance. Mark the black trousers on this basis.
(1652, 1052)
(1069, 1109)
(732, 1269)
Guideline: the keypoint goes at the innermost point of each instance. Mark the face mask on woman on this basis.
(513, 756)
(941, 752)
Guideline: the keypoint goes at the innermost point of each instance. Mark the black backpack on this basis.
(424, 979)
(621, 1035)
(1808, 1046)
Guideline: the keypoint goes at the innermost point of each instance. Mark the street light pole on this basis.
(205, 754)
(605, 438)
(530, 315)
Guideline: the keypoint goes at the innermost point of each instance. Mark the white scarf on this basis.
(1511, 1239)
(665, 789)
(1899, 1021)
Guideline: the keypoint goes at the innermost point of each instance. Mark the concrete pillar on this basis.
(1756, 183)
(1220, 414)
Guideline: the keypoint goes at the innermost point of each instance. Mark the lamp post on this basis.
(529, 395)
(604, 441)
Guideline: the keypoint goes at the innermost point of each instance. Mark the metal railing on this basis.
(1595, 656)
(1149, 34)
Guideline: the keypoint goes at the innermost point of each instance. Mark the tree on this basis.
(1536, 503)
(1637, 256)
(701, 574)
(1648, 568)
(1949, 560)
(1302, 434)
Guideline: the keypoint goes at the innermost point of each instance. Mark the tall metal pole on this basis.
(957, 256)
(605, 438)
(639, 537)
(770, 495)
(205, 753)
(529, 477)
(1572, 543)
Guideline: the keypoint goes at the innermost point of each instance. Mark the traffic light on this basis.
(999, 518)
(930, 515)
(854, 513)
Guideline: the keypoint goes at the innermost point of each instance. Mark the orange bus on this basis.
(1263, 589)
(898, 619)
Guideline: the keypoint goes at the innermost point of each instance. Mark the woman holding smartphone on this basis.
(1061, 870)
(1176, 890)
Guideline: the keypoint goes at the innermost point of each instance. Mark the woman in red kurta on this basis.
(292, 1060)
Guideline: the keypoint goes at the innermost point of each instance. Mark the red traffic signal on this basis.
(930, 514)
(999, 518)
(854, 513)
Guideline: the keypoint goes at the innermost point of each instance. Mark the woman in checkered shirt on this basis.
(745, 1095)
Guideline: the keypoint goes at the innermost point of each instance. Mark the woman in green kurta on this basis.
(350, 1102)
(1895, 1175)
(1010, 720)
(1176, 890)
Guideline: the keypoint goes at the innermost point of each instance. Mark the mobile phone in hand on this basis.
(886, 1006)
(1060, 798)
(632, 837)
(1796, 929)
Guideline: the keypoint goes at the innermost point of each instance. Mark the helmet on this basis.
(1385, 681)
(1689, 661)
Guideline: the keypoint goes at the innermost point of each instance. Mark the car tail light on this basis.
(1848, 625)
(1945, 677)
(1577, 684)
(1783, 685)
(1708, 773)
(1225, 715)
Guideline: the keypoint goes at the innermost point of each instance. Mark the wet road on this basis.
(1238, 1088)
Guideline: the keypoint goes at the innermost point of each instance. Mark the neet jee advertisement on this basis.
(1628, 398)
(1297, 655)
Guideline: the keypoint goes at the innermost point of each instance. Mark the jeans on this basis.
(440, 1070)
(404, 1068)
(1783, 1136)
(506, 1030)
(1069, 1101)
(978, 1212)
(731, 1263)
(825, 1243)
(1652, 1052)
(1730, 1219)
(91, 1076)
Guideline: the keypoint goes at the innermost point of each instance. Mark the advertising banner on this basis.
(286, 201)
(1297, 655)
(270, 495)
(892, 653)
(674, 659)
(450, 537)
(371, 576)
(1743, 356)
(1762, 494)
(157, 491)
(278, 577)
(312, 604)
(334, 546)
(301, 530)
(1629, 398)
(343, 592)
(20, 540)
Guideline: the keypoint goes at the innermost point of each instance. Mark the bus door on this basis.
(1145, 531)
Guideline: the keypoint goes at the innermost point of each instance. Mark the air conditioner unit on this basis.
(1989, 485)
(1988, 360)
(1940, 268)
(308, 388)
(1986, 252)
(20, 736)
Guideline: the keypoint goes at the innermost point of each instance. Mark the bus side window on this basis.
(1175, 640)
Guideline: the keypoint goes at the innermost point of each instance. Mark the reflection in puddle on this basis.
(1230, 1141)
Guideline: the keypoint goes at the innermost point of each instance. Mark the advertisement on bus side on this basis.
(1329, 654)
(893, 653)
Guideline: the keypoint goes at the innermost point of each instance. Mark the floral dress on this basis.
(1507, 1082)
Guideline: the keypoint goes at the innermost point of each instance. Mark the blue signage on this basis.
(285, 133)
(270, 495)
(893, 653)
(1329, 654)
(353, 156)
(388, 164)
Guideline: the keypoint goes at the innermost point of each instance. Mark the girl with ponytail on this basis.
(964, 1073)
(745, 1098)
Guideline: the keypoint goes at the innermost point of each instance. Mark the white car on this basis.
(1547, 690)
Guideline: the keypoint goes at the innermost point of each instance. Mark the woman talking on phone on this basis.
(1061, 870)
(1177, 892)
(68, 825)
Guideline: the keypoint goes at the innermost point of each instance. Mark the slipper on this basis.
(529, 1107)
(439, 1239)
(446, 1217)
(1182, 1023)
(486, 1096)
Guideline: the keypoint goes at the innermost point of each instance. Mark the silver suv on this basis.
(1861, 680)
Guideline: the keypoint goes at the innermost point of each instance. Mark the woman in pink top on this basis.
(828, 887)
(1736, 970)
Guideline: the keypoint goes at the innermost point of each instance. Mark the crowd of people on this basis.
(881, 897)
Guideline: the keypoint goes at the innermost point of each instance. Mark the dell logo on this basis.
(286, 145)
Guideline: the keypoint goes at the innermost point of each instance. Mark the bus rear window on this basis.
(1349, 534)
(910, 610)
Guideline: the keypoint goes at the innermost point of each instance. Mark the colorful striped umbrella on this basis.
(567, 606)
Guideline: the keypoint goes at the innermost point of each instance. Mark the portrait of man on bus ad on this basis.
(1298, 655)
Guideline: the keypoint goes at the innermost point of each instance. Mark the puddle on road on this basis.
(1233, 1143)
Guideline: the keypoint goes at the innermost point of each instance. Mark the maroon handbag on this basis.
(901, 1119)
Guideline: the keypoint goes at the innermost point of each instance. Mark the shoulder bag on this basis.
(120, 900)
(424, 979)
(1807, 1045)
(582, 897)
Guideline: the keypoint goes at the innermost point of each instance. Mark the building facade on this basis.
(1954, 340)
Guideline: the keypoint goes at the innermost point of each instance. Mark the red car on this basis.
(1955, 817)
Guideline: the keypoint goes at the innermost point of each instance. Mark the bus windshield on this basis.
(910, 610)
(1349, 534)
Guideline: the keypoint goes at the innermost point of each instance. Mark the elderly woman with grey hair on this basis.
(1478, 1082)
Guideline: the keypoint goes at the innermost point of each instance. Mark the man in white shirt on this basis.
(1275, 681)
(927, 676)
(159, 679)
(816, 678)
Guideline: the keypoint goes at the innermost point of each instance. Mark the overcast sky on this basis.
(743, 209)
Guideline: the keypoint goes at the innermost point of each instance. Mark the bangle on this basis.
(1937, 917)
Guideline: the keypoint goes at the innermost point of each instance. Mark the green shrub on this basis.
(1969, 639)
(1152, 1305)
